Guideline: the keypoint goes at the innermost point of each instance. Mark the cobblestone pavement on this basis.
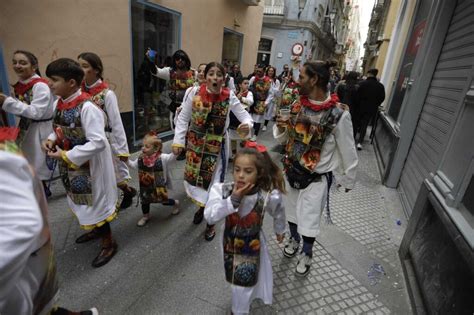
(168, 268)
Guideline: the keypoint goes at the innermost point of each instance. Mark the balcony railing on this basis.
(251, 2)
(274, 9)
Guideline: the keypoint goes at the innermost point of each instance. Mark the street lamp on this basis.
(301, 5)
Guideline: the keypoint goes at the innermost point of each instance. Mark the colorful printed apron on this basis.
(24, 93)
(308, 132)
(68, 128)
(205, 136)
(177, 86)
(242, 246)
(262, 88)
(152, 182)
(98, 94)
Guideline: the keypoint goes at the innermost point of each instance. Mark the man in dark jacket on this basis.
(371, 94)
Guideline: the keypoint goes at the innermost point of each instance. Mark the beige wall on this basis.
(387, 33)
(63, 28)
(53, 28)
(203, 23)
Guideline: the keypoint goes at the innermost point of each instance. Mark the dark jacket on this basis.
(371, 94)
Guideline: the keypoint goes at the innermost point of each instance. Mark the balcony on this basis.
(251, 2)
(274, 10)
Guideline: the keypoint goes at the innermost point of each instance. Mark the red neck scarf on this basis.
(149, 160)
(22, 88)
(8, 133)
(94, 90)
(75, 102)
(331, 102)
(210, 97)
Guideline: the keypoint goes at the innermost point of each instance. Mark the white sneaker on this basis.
(264, 128)
(253, 138)
(304, 265)
(359, 146)
(291, 248)
(175, 207)
(143, 221)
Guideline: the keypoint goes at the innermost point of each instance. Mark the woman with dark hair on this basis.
(179, 77)
(275, 90)
(33, 104)
(203, 122)
(318, 140)
(347, 91)
(106, 99)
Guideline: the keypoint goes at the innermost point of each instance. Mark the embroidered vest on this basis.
(49, 284)
(24, 93)
(261, 89)
(179, 83)
(152, 182)
(98, 94)
(234, 122)
(242, 245)
(67, 125)
(308, 131)
(205, 136)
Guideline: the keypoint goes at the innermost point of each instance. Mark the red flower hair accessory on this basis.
(254, 145)
(9, 133)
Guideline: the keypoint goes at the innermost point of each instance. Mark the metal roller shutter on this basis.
(441, 104)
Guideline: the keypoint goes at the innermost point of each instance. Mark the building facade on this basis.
(424, 147)
(120, 31)
(353, 41)
(294, 32)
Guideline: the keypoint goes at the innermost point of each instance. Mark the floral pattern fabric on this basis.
(205, 136)
(242, 246)
(152, 181)
(262, 88)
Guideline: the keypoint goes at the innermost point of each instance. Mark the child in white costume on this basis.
(154, 176)
(275, 90)
(86, 166)
(257, 187)
(203, 122)
(261, 87)
(33, 103)
(106, 99)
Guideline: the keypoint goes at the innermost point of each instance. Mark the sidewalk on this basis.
(168, 268)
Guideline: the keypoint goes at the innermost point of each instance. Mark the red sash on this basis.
(94, 90)
(78, 100)
(22, 88)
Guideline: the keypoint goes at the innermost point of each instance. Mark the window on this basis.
(158, 29)
(232, 47)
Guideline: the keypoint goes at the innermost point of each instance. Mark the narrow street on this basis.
(168, 268)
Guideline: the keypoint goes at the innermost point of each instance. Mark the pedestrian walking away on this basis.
(256, 190)
(275, 87)
(33, 104)
(371, 94)
(318, 140)
(106, 99)
(80, 144)
(203, 121)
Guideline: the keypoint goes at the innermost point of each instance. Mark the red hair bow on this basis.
(254, 145)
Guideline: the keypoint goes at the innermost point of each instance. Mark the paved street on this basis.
(168, 268)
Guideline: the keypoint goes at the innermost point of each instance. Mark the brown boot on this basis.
(89, 236)
(109, 248)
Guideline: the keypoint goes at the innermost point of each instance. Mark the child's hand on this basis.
(56, 154)
(280, 238)
(242, 191)
(48, 146)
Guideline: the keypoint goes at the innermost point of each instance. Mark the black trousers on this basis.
(146, 206)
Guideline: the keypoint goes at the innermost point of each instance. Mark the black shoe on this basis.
(64, 311)
(210, 233)
(89, 236)
(128, 198)
(105, 255)
(47, 192)
(198, 216)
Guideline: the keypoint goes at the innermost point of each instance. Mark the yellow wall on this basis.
(55, 28)
(203, 28)
(387, 33)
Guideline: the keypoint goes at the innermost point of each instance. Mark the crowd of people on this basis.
(72, 122)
